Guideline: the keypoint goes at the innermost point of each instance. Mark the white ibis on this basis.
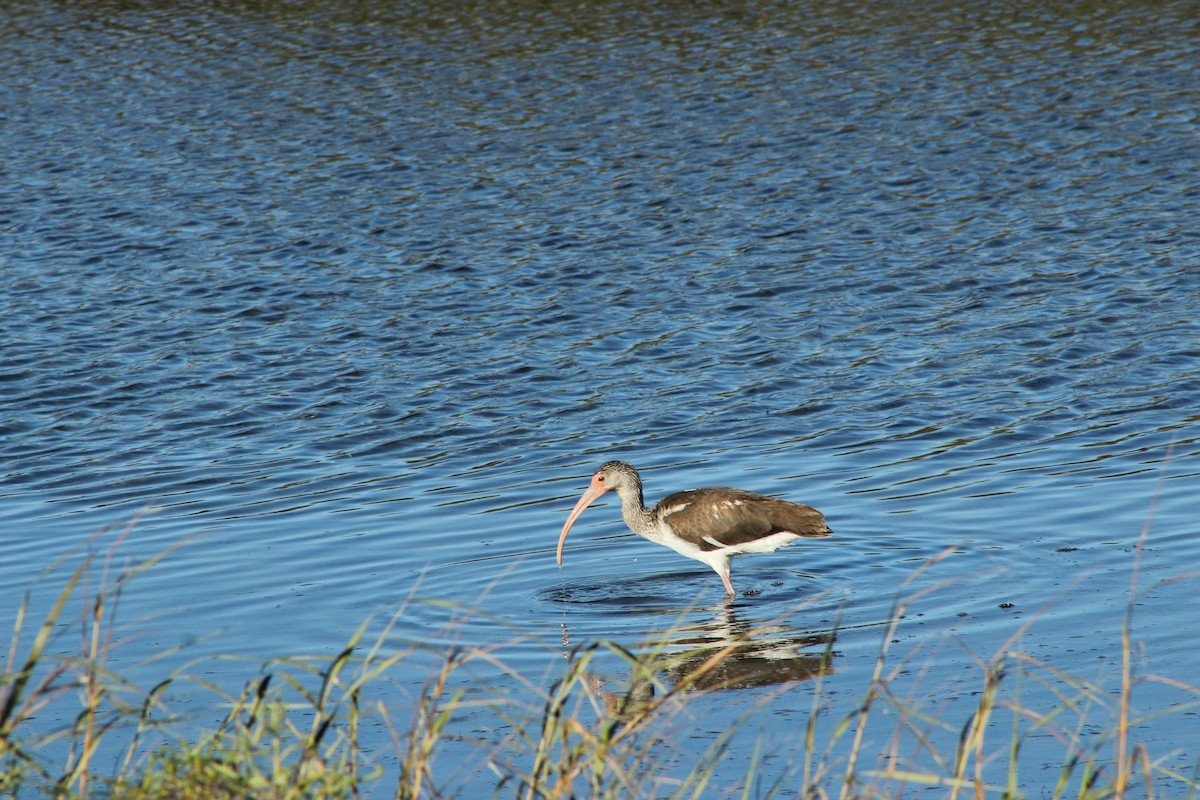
(711, 525)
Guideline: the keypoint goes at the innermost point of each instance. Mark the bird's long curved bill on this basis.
(593, 491)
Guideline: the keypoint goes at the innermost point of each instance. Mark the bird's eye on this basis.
(600, 478)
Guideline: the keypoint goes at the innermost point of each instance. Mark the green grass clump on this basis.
(294, 729)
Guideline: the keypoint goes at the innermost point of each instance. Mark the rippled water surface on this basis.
(350, 301)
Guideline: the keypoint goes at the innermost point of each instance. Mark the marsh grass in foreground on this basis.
(295, 728)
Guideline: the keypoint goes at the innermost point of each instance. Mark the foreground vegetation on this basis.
(295, 729)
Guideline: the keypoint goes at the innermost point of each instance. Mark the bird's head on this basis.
(613, 476)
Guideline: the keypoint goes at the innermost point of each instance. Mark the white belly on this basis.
(721, 554)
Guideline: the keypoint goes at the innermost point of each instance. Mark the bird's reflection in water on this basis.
(739, 655)
(724, 653)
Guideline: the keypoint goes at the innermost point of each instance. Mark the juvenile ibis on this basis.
(711, 525)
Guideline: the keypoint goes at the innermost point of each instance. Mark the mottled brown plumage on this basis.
(711, 525)
(718, 516)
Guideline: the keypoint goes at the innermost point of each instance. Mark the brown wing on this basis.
(735, 516)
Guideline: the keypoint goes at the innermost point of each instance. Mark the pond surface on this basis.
(349, 301)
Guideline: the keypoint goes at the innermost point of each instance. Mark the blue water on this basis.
(347, 303)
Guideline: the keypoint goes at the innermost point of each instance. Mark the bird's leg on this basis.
(728, 583)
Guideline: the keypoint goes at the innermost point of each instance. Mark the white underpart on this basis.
(718, 559)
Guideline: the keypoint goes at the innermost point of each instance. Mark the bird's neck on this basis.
(633, 510)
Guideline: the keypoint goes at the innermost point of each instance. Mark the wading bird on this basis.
(711, 525)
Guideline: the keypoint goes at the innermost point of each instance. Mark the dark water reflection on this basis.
(356, 296)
